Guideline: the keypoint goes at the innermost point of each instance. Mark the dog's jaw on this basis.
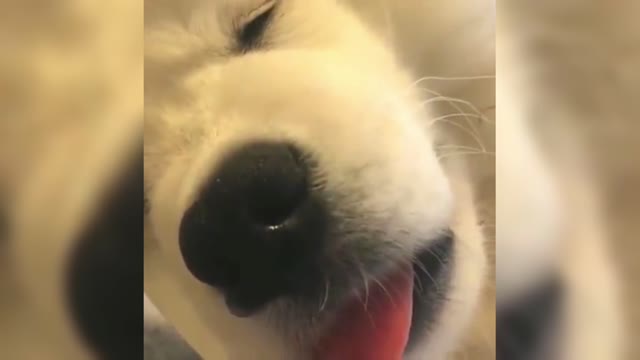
(181, 152)
(468, 279)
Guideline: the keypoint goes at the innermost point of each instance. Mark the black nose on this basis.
(256, 229)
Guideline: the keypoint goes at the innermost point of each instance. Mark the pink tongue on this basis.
(379, 332)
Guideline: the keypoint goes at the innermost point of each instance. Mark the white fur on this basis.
(338, 78)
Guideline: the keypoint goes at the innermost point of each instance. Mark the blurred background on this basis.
(583, 60)
(67, 69)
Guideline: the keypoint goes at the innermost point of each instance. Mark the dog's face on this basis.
(291, 176)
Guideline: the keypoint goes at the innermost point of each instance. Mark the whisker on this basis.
(327, 285)
(457, 147)
(463, 153)
(453, 102)
(421, 267)
(366, 285)
(452, 115)
(385, 290)
(419, 284)
(473, 135)
(453, 78)
(371, 320)
(435, 255)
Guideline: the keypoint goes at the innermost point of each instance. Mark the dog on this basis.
(298, 186)
(331, 124)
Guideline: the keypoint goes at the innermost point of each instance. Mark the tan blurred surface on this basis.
(589, 66)
(65, 66)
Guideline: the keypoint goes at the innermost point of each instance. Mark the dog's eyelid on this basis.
(253, 25)
(264, 7)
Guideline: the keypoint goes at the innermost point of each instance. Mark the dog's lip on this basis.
(431, 273)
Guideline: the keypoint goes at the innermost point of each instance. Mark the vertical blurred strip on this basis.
(68, 69)
(581, 61)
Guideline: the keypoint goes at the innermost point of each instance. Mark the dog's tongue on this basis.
(378, 332)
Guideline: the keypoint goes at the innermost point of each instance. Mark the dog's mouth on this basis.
(385, 322)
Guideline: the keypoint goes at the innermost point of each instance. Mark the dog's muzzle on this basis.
(256, 230)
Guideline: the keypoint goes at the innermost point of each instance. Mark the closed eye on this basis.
(252, 32)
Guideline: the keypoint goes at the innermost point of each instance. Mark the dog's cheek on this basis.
(105, 273)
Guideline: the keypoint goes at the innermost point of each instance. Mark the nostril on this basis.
(278, 186)
(256, 221)
(272, 214)
(279, 190)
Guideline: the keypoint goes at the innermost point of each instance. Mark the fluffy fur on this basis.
(335, 75)
(352, 82)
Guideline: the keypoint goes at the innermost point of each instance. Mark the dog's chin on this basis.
(395, 312)
(428, 271)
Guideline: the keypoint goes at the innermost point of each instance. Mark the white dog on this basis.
(307, 196)
(296, 180)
